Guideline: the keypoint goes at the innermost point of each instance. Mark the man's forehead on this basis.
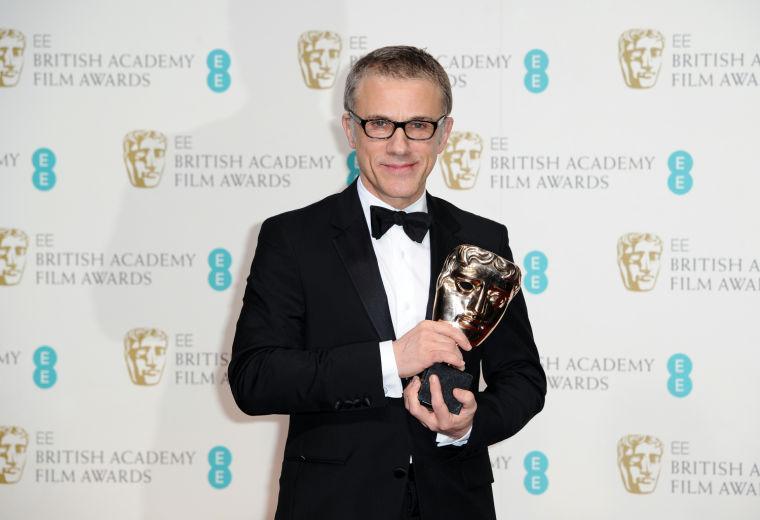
(398, 98)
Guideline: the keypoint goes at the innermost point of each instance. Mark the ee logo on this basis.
(45, 359)
(535, 272)
(680, 180)
(219, 476)
(218, 62)
(536, 62)
(43, 160)
(679, 382)
(219, 260)
(536, 464)
(353, 168)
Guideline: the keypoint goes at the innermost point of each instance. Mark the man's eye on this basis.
(379, 123)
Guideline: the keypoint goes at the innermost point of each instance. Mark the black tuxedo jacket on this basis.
(306, 345)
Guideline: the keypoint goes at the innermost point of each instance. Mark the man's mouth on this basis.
(398, 167)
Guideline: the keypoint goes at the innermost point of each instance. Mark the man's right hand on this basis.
(427, 343)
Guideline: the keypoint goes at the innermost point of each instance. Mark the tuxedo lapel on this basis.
(355, 250)
(442, 242)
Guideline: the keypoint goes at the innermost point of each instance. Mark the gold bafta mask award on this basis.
(638, 258)
(144, 157)
(145, 355)
(13, 247)
(461, 160)
(640, 56)
(319, 58)
(639, 460)
(472, 293)
(13, 445)
(12, 45)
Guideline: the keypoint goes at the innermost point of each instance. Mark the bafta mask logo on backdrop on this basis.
(145, 354)
(638, 256)
(319, 58)
(144, 156)
(13, 247)
(639, 460)
(460, 161)
(12, 45)
(640, 55)
(14, 442)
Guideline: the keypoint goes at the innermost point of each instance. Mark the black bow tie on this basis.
(415, 224)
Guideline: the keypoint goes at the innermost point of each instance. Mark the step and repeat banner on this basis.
(143, 144)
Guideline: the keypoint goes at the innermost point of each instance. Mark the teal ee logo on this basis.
(536, 62)
(45, 359)
(535, 272)
(679, 368)
(219, 260)
(680, 180)
(43, 160)
(536, 464)
(218, 62)
(353, 168)
(219, 476)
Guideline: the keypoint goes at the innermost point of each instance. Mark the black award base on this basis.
(450, 379)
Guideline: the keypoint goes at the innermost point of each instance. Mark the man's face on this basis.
(146, 360)
(321, 60)
(642, 467)
(395, 169)
(473, 297)
(641, 265)
(12, 259)
(146, 163)
(11, 60)
(461, 162)
(12, 457)
(642, 60)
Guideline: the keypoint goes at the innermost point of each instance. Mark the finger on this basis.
(446, 356)
(410, 393)
(415, 408)
(447, 329)
(467, 399)
(441, 411)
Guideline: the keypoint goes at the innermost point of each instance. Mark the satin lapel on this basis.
(442, 242)
(355, 250)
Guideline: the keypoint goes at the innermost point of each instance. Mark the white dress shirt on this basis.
(405, 270)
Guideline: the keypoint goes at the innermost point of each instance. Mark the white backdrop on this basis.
(571, 160)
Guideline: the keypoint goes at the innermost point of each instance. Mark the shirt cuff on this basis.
(445, 440)
(391, 380)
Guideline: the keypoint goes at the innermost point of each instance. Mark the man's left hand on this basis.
(440, 419)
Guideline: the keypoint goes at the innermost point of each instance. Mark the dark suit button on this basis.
(338, 404)
(367, 401)
(399, 472)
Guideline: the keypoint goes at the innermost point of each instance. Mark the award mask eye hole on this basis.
(465, 286)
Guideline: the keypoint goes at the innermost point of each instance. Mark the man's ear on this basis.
(448, 124)
(349, 130)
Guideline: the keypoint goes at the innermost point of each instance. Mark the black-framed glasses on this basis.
(414, 129)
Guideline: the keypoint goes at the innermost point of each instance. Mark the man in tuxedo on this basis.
(335, 324)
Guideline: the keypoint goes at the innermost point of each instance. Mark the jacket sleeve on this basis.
(516, 383)
(272, 370)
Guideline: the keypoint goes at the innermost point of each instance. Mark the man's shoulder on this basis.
(467, 219)
(314, 213)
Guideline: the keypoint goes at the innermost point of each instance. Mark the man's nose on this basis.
(398, 144)
(645, 263)
(11, 257)
(11, 457)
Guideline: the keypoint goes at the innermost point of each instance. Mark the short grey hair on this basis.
(402, 62)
